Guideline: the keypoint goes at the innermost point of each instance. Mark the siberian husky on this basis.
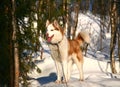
(69, 50)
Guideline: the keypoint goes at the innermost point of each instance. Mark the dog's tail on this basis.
(83, 36)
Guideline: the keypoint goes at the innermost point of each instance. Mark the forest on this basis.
(22, 22)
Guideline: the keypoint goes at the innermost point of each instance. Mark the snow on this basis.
(97, 72)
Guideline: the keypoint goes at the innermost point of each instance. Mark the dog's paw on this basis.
(57, 81)
(81, 79)
(64, 81)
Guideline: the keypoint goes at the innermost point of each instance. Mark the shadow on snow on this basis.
(47, 79)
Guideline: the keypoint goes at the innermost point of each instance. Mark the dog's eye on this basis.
(52, 30)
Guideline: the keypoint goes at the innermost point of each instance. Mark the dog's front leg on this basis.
(64, 69)
(56, 58)
(70, 63)
(58, 68)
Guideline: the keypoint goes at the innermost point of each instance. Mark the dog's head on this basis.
(54, 33)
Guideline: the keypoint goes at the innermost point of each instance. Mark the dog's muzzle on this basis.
(49, 38)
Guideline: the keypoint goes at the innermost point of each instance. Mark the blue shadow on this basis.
(45, 80)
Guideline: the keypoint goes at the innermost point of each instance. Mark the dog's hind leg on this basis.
(80, 67)
(79, 64)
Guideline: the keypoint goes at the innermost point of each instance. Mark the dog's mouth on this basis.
(49, 38)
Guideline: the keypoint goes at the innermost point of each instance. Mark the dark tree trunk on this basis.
(118, 34)
(76, 10)
(113, 34)
(15, 47)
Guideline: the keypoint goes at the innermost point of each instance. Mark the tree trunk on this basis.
(101, 25)
(76, 10)
(15, 47)
(119, 40)
(66, 18)
(38, 24)
(11, 64)
(113, 34)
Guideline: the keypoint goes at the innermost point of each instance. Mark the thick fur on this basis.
(69, 51)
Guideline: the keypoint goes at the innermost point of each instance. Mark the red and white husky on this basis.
(69, 50)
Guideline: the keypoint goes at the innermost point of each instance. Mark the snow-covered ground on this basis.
(97, 72)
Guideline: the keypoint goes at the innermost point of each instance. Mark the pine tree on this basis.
(113, 34)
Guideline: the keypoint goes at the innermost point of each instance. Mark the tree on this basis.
(75, 20)
(15, 47)
(118, 27)
(5, 56)
(118, 31)
(113, 17)
(27, 37)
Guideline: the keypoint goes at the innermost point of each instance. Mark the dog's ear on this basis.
(47, 23)
(56, 24)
